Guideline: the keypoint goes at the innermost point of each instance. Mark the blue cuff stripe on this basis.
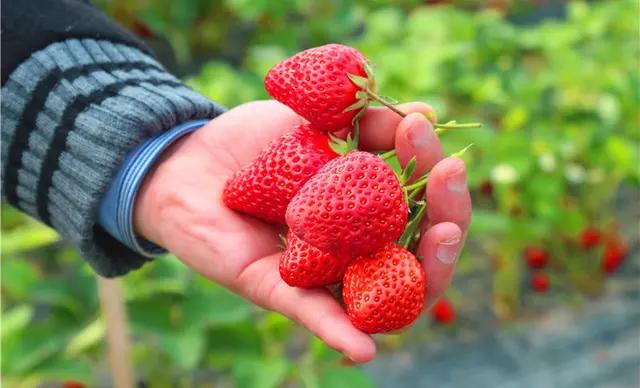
(116, 209)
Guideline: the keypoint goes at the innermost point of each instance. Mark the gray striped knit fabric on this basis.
(70, 114)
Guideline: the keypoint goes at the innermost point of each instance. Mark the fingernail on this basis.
(417, 133)
(431, 116)
(447, 250)
(457, 180)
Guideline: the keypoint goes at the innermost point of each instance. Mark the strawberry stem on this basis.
(384, 102)
(440, 128)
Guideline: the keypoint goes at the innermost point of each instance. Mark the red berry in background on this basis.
(443, 312)
(384, 292)
(486, 188)
(303, 265)
(72, 384)
(353, 206)
(613, 256)
(315, 83)
(590, 237)
(540, 282)
(536, 257)
(265, 187)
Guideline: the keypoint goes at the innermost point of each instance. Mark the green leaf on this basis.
(15, 320)
(57, 369)
(337, 377)
(27, 238)
(86, 338)
(18, 276)
(259, 373)
(184, 347)
(215, 306)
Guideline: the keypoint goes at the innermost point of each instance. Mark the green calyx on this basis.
(411, 234)
(342, 147)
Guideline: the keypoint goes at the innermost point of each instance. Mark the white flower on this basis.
(547, 162)
(575, 173)
(504, 173)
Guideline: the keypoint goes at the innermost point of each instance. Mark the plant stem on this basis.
(444, 127)
(381, 100)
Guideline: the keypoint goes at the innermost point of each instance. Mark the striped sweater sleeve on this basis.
(71, 111)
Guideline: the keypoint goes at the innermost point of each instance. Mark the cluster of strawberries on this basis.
(351, 217)
(589, 238)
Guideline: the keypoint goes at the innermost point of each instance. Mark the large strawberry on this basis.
(353, 206)
(303, 265)
(264, 188)
(385, 291)
(316, 84)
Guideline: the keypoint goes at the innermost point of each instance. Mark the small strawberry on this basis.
(72, 384)
(384, 292)
(540, 282)
(443, 312)
(486, 188)
(590, 237)
(353, 206)
(264, 188)
(316, 84)
(303, 265)
(536, 257)
(613, 256)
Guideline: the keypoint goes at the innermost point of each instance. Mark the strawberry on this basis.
(614, 253)
(540, 282)
(315, 83)
(443, 312)
(303, 265)
(264, 188)
(72, 384)
(385, 291)
(353, 206)
(536, 257)
(486, 188)
(590, 237)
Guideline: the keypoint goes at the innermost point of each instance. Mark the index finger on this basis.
(378, 125)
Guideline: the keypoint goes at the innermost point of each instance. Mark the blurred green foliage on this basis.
(559, 102)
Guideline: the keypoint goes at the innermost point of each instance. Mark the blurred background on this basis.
(547, 290)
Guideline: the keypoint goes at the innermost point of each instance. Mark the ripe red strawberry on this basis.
(486, 188)
(384, 292)
(264, 188)
(540, 282)
(443, 312)
(72, 384)
(613, 256)
(315, 84)
(590, 237)
(536, 257)
(303, 265)
(353, 206)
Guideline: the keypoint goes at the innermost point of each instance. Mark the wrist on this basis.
(153, 199)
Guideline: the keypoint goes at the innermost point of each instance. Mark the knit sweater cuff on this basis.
(70, 114)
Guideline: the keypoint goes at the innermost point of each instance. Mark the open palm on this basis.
(180, 208)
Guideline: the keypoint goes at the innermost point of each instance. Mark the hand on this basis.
(180, 208)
